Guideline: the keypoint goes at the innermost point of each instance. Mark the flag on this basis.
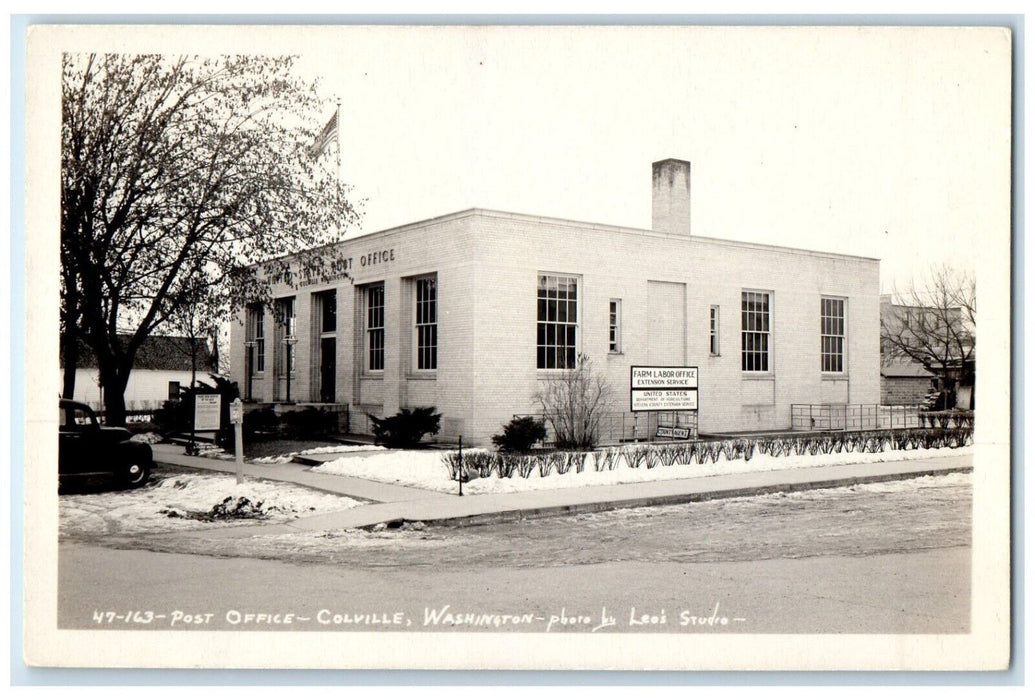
(329, 133)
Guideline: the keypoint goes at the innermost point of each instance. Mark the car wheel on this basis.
(134, 474)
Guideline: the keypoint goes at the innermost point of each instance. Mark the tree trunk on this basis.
(114, 379)
(70, 355)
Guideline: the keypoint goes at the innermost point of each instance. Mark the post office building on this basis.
(473, 312)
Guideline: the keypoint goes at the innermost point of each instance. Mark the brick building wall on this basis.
(904, 391)
(615, 263)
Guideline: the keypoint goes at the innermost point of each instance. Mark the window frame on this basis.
(714, 347)
(841, 352)
(427, 353)
(325, 296)
(763, 319)
(614, 326)
(373, 331)
(257, 335)
(544, 348)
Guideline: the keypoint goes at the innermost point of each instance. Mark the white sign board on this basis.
(206, 412)
(664, 400)
(236, 411)
(663, 388)
(663, 378)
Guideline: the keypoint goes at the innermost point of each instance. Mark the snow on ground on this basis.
(329, 449)
(166, 504)
(425, 469)
(149, 438)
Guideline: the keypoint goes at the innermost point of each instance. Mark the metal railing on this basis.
(811, 416)
(622, 427)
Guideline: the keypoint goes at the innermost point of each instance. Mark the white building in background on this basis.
(161, 368)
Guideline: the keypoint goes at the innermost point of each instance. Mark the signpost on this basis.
(206, 417)
(663, 389)
(237, 420)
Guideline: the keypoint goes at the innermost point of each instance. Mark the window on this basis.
(375, 327)
(614, 326)
(328, 311)
(832, 334)
(257, 335)
(713, 330)
(754, 331)
(174, 391)
(427, 324)
(557, 329)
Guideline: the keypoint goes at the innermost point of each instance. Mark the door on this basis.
(327, 370)
(667, 304)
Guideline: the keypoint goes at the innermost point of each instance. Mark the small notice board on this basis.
(662, 388)
(206, 412)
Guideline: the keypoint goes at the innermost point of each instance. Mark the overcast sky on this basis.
(875, 142)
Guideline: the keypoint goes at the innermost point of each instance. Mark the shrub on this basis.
(308, 423)
(575, 402)
(406, 428)
(261, 424)
(520, 434)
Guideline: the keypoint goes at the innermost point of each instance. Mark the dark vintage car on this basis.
(87, 448)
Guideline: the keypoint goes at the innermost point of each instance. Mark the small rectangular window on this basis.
(426, 323)
(614, 326)
(754, 331)
(174, 391)
(832, 334)
(375, 327)
(713, 331)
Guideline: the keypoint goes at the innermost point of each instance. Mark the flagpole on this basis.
(337, 183)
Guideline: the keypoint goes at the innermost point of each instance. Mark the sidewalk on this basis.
(397, 504)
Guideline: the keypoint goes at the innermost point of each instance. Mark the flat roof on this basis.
(475, 211)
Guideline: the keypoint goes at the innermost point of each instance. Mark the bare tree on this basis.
(933, 324)
(574, 401)
(182, 175)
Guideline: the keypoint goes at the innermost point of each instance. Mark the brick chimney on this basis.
(672, 197)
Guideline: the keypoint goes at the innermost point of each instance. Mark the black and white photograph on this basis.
(518, 347)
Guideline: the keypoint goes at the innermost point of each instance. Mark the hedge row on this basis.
(505, 465)
(946, 419)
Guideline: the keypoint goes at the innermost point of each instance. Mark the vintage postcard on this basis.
(518, 347)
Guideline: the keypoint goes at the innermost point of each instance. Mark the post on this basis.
(460, 463)
(237, 419)
(192, 446)
(289, 342)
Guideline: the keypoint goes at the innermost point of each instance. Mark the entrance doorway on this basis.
(327, 370)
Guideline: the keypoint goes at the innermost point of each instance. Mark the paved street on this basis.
(886, 558)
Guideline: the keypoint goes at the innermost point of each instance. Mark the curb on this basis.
(671, 499)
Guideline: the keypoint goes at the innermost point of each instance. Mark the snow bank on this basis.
(168, 504)
(425, 469)
(329, 449)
